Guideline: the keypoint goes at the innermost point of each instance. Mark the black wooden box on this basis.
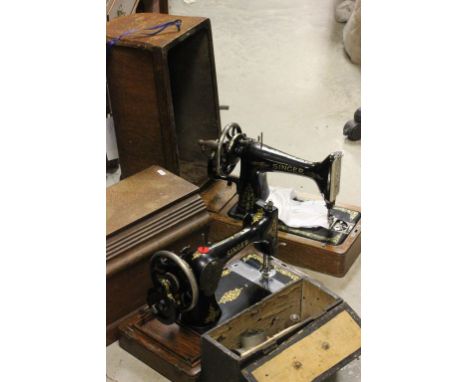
(310, 334)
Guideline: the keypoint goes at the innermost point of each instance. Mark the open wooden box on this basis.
(163, 93)
(310, 334)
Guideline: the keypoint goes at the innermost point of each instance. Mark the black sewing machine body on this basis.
(195, 289)
(257, 159)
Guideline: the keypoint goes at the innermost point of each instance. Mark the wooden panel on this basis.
(315, 301)
(118, 8)
(164, 95)
(178, 339)
(172, 350)
(313, 355)
(141, 21)
(157, 6)
(138, 196)
(154, 225)
(271, 315)
(217, 194)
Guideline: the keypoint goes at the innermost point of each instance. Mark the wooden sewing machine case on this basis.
(151, 210)
(309, 253)
(163, 93)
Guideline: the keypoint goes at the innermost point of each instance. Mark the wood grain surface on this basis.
(136, 197)
(163, 92)
(312, 356)
(141, 21)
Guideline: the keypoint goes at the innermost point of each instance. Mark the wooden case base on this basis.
(334, 260)
(171, 350)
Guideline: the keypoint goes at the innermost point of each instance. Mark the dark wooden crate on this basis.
(164, 95)
(283, 355)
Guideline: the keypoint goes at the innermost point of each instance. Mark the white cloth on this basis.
(295, 213)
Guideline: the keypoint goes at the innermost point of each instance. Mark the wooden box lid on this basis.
(143, 194)
(140, 21)
(314, 353)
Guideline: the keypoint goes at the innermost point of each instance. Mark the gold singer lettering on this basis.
(238, 247)
(287, 168)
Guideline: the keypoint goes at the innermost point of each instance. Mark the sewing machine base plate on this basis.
(343, 222)
(174, 350)
(304, 248)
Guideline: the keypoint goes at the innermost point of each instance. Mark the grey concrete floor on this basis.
(282, 70)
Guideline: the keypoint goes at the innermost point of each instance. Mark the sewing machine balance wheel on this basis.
(174, 289)
(225, 162)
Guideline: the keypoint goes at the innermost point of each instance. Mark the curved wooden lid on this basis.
(142, 194)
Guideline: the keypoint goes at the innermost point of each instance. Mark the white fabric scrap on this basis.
(295, 213)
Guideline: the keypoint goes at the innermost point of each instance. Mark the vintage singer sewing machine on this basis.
(308, 247)
(224, 310)
(185, 284)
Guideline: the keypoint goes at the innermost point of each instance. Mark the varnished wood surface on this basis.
(140, 21)
(171, 350)
(217, 194)
(136, 197)
(164, 94)
(313, 356)
(155, 224)
(335, 260)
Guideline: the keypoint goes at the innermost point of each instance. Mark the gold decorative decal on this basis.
(258, 216)
(287, 273)
(230, 295)
(212, 315)
(252, 256)
(167, 287)
(237, 248)
(225, 272)
(274, 228)
(196, 255)
(247, 198)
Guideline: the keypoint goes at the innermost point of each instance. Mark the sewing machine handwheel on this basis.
(226, 162)
(174, 282)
